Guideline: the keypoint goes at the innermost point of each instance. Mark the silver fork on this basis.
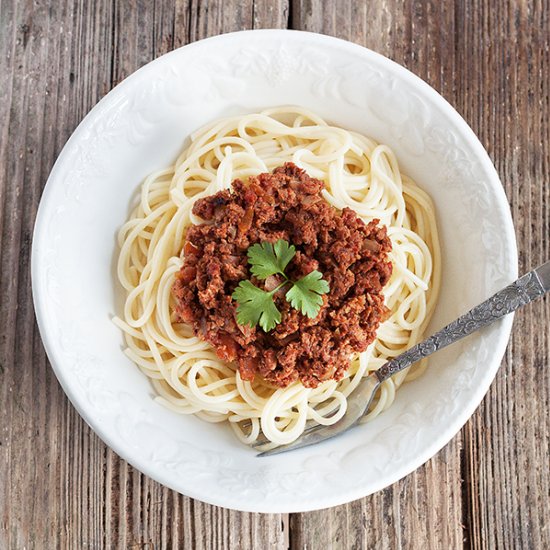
(519, 293)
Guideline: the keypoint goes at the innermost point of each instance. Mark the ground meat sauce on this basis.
(351, 255)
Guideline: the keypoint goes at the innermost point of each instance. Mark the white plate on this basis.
(139, 127)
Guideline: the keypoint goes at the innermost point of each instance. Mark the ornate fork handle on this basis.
(520, 292)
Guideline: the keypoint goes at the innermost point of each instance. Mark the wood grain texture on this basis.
(61, 487)
(507, 471)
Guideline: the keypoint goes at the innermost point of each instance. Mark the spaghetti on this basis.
(358, 173)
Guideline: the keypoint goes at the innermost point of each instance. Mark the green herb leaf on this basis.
(306, 294)
(266, 259)
(255, 306)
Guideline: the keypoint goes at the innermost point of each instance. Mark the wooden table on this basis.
(61, 487)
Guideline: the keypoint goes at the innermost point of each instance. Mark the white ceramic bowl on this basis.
(139, 127)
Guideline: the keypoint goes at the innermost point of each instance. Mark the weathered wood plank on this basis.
(42, 442)
(418, 512)
(507, 442)
(271, 15)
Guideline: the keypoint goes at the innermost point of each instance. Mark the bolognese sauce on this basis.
(351, 255)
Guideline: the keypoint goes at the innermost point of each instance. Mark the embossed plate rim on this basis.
(269, 476)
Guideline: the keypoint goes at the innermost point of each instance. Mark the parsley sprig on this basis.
(257, 306)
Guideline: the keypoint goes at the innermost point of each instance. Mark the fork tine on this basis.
(314, 436)
(262, 439)
(311, 426)
(357, 406)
